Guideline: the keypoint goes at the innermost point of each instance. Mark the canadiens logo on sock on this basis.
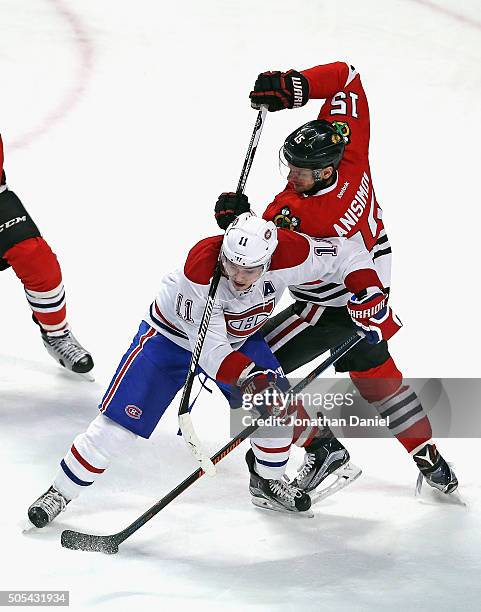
(133, 411)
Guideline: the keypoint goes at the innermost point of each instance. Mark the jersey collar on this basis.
(322, 192)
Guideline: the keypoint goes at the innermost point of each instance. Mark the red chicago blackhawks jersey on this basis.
(177, 310)
(348, 208)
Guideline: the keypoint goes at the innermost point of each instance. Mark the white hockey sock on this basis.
(272, 455)
(90, 454)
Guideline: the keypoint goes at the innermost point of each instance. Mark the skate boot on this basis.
(276, 495)
(325, 456)
(434, 469)
(47, 507)
(69, 353)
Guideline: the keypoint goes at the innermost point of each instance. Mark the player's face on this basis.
(301, 179)
(241, 277)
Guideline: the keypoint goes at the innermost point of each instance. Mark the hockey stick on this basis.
(109, 544)
(185, 420)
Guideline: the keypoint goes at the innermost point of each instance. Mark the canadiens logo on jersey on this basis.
(134, 412)
(286, 221)
(243, 324)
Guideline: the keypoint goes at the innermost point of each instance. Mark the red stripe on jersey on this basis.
(232, 367)
(202, 258)
(266, 449)
(362, 279)
(166, 321)
(285, 331)
(85, 463)
(293, 250)
(311, 313)
(125, 367)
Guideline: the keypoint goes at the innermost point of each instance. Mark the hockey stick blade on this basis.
(84, 541)
(193, 442)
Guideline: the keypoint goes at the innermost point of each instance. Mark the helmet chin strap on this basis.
(320, 183)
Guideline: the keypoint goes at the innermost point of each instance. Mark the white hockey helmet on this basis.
(250, 241)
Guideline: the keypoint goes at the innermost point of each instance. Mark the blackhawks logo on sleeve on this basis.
(285, 220)
(343, 132)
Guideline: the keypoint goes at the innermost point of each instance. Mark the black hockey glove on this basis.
(279, 90)
(228, 207)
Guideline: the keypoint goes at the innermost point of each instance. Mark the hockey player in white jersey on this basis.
(258, 263)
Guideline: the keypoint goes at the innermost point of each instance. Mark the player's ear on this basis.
(326, 173)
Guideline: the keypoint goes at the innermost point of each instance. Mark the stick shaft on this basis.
(204, 323)
(339, 352)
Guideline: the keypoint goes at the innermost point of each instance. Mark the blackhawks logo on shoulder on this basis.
(343, 132)
(284, 219)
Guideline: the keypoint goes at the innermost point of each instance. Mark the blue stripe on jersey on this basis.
(72, 476)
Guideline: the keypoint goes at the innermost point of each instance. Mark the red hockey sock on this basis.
(37, 267)
(383, 387)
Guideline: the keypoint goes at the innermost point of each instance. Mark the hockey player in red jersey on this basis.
(330, 193)
(258, 263)
(31, 258)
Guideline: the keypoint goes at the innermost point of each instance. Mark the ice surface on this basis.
(121, 123)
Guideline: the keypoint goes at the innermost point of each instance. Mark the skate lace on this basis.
(52, 500)
(284, 490)
(309, 461)
(67, 347)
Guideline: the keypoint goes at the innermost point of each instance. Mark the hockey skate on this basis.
(47, 507)
(278, 495)
(69, 353)
(434, 470)
(325, 457)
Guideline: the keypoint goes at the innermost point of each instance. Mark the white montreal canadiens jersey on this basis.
(177, 310)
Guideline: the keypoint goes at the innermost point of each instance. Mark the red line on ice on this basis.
(71, 98)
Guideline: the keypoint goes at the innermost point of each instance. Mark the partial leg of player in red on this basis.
(24, 250)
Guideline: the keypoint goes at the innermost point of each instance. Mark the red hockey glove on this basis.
(228, 207)
(279, 90)
(373, 316)
(263, 390)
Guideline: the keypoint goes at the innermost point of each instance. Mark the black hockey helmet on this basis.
(315, 145)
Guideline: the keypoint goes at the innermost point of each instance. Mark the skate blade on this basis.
(87, 376)
(26, 526)
(345, 475)
(437, 496)
(265, 505)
